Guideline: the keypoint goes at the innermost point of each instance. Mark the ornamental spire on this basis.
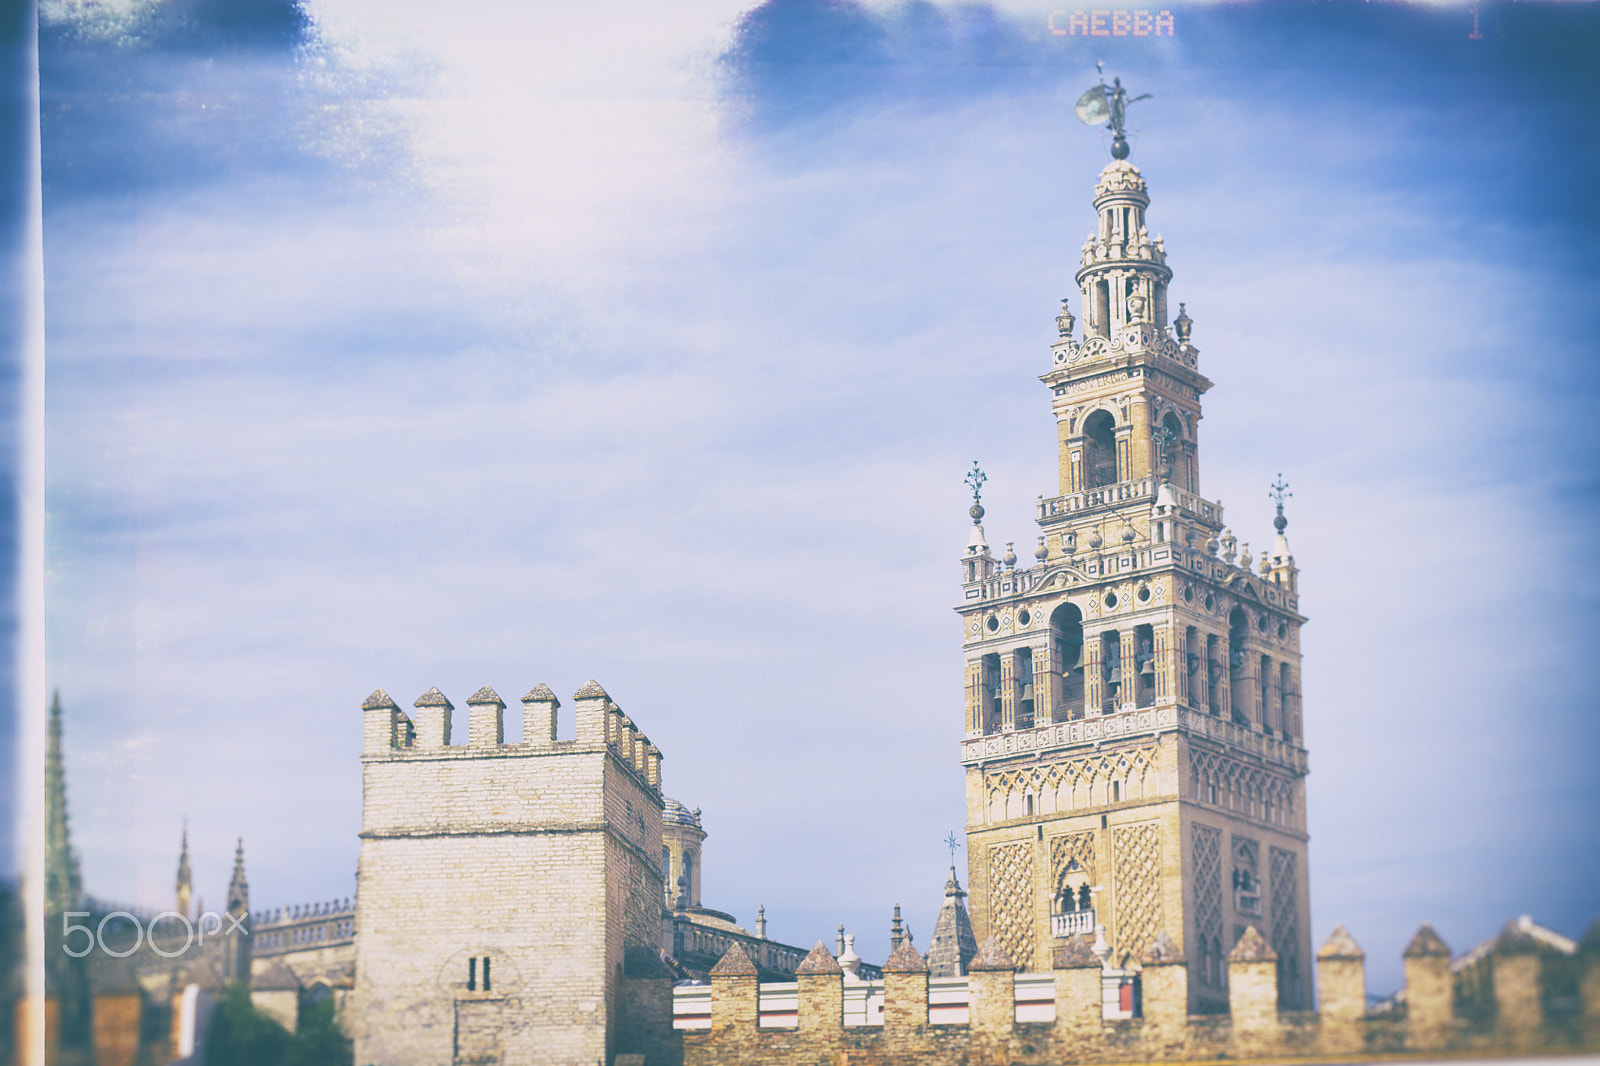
(185, 884)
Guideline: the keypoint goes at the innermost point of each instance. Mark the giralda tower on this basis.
(1133, 743)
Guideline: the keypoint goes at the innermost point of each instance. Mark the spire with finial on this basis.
(761, 921)
(1283, 568)
(953, 944)
(975, 479)
(63, 882)
(238, 888)
(1278, 493)
(897, 932)
(978, 563)
(185, 882)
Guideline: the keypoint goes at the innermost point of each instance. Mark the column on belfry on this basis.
(1166, 672)
(734, 990)
(1094, 692)
(1430, 1007)
(991, 991)
(1008, 692)
(1140, 445)
(1128, 695)
(1078, 998)
(905, 990)
(1182, 690)
(539, 708)
(1044, 704)
(485, 718)
(433, 719)
(590, 709)
(975, 708)
(1271, 702)
(1222, 695)
(1342, 983)
(821, 987)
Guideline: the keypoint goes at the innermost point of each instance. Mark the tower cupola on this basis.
(1124, 276)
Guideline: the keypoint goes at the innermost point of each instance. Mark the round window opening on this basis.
(1111, 599)
(993, 623)
(1188, 594)
(1210, 601)
(1261, 623)
(1023, 617)
(1283, 630)
(1144, 595)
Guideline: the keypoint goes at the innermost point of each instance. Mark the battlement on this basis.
(600, 725)
(997, 1014)
(502, 884)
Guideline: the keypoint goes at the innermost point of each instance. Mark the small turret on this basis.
(953, 945)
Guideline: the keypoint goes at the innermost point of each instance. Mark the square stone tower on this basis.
(1133, 741)
(500, 884)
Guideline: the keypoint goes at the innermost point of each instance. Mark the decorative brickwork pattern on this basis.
(1285, 889)
(1063, 849)
(1011, 896)
(1065, 786)
(1252, 791)
(1207, 858)
(1136, 854)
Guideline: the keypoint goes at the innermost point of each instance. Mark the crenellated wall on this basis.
(1424, 1022)
(501, 885)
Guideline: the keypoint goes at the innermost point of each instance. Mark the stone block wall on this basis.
(501, 885)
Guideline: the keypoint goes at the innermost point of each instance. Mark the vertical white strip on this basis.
(30, 683)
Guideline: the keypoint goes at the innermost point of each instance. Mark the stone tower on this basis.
(682, 844)
(1133, 742)
(501, 885)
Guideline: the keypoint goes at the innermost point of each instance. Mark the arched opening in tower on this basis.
(1177, 453)
(1100, 451)
(1066, 662)
(1238, 669)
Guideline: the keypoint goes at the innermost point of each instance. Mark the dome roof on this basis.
(1120, 176)
(675, 813)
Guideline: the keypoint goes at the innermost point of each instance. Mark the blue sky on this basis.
(399, 346)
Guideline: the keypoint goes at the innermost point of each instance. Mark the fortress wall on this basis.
(1256, 1030)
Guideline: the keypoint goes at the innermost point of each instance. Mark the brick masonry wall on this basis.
(542, 859)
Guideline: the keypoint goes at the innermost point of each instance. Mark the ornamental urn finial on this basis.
(1182, 325)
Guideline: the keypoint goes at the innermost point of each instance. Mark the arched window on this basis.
(1177, 452)
(1100, 450)
(1066, 655)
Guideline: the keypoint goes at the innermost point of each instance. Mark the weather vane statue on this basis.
(1109, 103)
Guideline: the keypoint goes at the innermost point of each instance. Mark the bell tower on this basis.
(1133, 748)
